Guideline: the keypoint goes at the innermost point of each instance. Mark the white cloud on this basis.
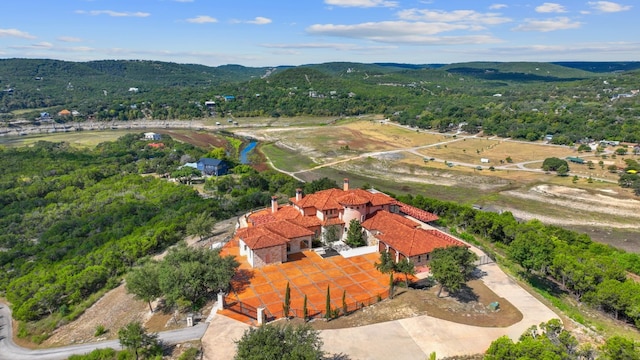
(574, 49)
(498, 6)
(608, 6)
(551, 8)
(69, 39)
(419, 33)
(15, 33)
(114, 13)
(546, 25)
(461, 16)
(202, 19)
(81, 49)
(362, 3)
(259, 20)
(333, 46)
(40, 45)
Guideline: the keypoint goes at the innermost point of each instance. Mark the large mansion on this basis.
(271, 235)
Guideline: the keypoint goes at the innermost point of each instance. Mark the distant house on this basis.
(134, 89)
(214, 167)
(156, 145)
(229, 98)
(151, 136)
(484, 160)
(64, 112)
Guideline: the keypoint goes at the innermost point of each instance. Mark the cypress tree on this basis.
(305, 311)
(286, 306)
(327, 308)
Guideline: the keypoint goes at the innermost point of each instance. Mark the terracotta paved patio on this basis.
(307, 273)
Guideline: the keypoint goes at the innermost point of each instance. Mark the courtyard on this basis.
(309, 274)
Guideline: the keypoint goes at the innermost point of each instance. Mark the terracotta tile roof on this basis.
(260, 238)
(352, 198)
(417, 213)
(284, 213)
(413, 242)
(288, 229)
(333, 198)
(321, 200)
(376, 199)
(333, 221)
(386, 222)
(405, 235)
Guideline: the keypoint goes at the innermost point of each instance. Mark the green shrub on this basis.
(100, 330)
(190, 354)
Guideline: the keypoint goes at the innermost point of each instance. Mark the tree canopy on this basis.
(188, 276)
(143, 283)
(452, 266)
(355, 235)
(134, 337)
(285, 342)
(555, 164)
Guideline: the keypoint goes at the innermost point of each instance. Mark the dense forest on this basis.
(72, 221)
(573, 101)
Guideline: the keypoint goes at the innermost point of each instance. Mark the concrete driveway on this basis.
(416, 338)
(406, 339)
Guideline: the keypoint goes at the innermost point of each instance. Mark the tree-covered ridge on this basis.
(519, 100)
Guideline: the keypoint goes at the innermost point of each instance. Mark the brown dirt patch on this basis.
(113, 311)
(205, 140)
(469, 309)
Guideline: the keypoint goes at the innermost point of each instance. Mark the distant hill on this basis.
(601, 67)
(518, 71)
(523, 100)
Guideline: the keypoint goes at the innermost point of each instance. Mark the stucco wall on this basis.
(271, 255)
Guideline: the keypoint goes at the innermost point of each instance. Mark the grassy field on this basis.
(395, 136)
(285, 159)
(83, 139)
(25, 111)
(472, 150)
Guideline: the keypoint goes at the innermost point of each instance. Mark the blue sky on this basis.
(295, 32)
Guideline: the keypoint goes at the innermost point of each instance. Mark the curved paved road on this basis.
(10, 351)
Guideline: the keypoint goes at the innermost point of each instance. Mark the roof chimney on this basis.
(298, 194)
(345, 186)
(274, 204)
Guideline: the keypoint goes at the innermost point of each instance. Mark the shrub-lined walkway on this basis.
(307, 274)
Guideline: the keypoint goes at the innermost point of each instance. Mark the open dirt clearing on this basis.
(470, 308)
(471, 150)
(596, 202)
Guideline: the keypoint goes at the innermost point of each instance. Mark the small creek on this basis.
(245, 152)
